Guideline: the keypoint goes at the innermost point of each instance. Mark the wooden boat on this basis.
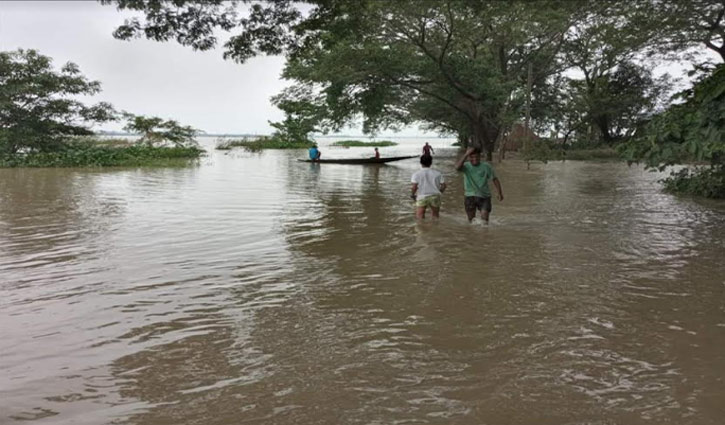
(359, 160)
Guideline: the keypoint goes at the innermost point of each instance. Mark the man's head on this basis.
(475, 157)
(426, 160)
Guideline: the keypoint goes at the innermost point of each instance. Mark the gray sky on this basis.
(146, 77)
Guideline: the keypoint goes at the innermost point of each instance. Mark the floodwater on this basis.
(252, 288)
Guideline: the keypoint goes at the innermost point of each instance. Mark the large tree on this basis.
(39, 108)
(459, 65)
(609, 54)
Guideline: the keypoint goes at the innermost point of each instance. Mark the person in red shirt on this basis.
(428, 149)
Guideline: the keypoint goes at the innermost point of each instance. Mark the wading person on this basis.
(476, 178)
(427, 149)
(428, 184)
(314, 153)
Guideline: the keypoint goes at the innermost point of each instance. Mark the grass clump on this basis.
(102, 153)
(262, 142)
(356, 143)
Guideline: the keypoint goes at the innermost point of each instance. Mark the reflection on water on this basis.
(254, 288)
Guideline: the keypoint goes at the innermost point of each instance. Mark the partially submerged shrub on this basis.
(262, 142)
(707, 182)
(90, 154)
(355, 143)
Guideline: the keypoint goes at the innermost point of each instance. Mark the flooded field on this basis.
(252, 288)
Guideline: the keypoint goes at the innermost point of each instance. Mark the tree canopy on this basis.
(692, 131)
(155, 130)
(38, 104)
(459, 67)
(453, 65)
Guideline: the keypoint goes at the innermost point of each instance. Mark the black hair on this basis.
(426, 160)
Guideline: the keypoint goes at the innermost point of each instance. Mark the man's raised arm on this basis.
(461, 160)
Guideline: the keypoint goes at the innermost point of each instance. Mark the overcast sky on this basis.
(146, 77)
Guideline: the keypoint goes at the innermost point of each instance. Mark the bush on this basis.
(689, 132)
(707, 182)
(354, 143)
(549, 150)
(263, 142)
(87, 154)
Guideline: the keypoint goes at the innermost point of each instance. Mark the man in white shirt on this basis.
(428, 184)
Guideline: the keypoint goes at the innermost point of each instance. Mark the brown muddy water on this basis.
(252, 288)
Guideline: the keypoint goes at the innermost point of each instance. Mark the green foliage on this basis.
(38, 106)
(354, 143)
(547, 153)
(620, 101)
(706, 182)
(614, 90)
(294, 129)
(263, 142)
(455, 66)
(99, 153)
(155, 130)
(683, 25)
(692, 131)
(545, 150)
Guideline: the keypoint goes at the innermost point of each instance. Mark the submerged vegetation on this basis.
(356, 143)
(155, 130)
(546, 151)
(101, 153)
(262, 142)
(292, 133)
(43, 124)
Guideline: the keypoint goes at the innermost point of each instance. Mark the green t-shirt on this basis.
(476, 178)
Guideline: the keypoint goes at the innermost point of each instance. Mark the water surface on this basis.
(251, 288)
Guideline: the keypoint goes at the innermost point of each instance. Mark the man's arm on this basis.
(414, 189)
(461, 160)
(497, 185)
(442, 188)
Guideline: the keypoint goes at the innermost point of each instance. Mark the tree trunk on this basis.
(602, 122)
(527, 120)
(484, 138)
(501, 142)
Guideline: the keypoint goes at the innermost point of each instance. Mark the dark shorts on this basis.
(473, 203)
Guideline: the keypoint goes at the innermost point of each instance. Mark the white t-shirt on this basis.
(429, 182)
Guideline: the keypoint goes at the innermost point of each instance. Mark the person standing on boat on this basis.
(428, 184)
(428, 149)
(314, 153)
(377, 154)
(476, 178)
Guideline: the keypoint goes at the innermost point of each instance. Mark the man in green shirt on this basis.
(476, 175)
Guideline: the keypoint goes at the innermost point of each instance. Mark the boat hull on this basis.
(359, 160)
